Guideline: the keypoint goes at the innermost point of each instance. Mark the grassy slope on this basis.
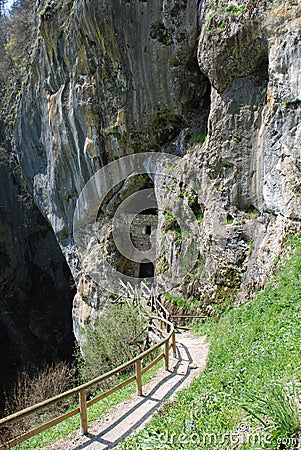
(252, 347)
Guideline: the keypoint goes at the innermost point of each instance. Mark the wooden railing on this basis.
(158, 309)
(168, 341)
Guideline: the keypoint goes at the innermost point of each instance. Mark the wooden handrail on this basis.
(159, 308)
(183, 316)
(82, 389)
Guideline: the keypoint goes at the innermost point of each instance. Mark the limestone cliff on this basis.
(217, 83)
(251, 53)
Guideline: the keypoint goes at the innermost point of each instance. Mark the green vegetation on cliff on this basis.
(254, 355)
(17, 31)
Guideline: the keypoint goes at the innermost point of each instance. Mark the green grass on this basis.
(95, 412)
(198, 139)
(276, 407)
(180, 302)
(252, 348)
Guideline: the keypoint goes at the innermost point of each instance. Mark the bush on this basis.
(117, 336)
(29, 390)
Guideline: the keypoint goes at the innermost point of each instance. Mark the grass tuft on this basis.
(276, 408)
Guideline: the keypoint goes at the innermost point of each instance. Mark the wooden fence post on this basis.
(138, 377)
(161, 325)
(166, 355)
(174, 344)
(83, 411)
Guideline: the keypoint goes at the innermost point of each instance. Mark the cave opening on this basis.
(36, 321)
(146, 269)
(139, 207)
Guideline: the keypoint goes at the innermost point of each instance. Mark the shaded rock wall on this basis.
(35, 281)
(97, 90)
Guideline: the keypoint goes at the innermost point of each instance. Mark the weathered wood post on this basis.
(138, 377)
(174, 344)
(161, 325)
(166, 354)
(83, 411)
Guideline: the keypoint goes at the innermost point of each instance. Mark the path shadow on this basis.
(151, 396)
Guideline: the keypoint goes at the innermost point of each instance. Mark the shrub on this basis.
(117, 336)
(29, 390)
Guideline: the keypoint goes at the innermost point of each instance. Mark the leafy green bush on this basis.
(117, 336)
(177, 301)
(169, 217)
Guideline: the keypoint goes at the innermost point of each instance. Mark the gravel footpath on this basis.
(132, 414)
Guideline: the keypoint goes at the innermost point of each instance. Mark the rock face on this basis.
(253, 143)
(206, 81)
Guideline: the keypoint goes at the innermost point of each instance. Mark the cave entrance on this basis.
(146, 269)
(138, 211)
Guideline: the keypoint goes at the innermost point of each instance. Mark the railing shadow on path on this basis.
(149, 398)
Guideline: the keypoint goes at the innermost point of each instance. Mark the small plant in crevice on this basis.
(200, 217)
(254, 214)
(162, 266)
(236, 139)
(169, 217)
(251, 246)
(170, 223)
(178, 236)
(234, 9)
(198, 139)
(230, 219)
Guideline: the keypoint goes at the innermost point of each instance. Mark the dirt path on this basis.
(132, 414)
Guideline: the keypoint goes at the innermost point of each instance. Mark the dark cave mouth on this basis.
(36, 327)
(146, 269)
